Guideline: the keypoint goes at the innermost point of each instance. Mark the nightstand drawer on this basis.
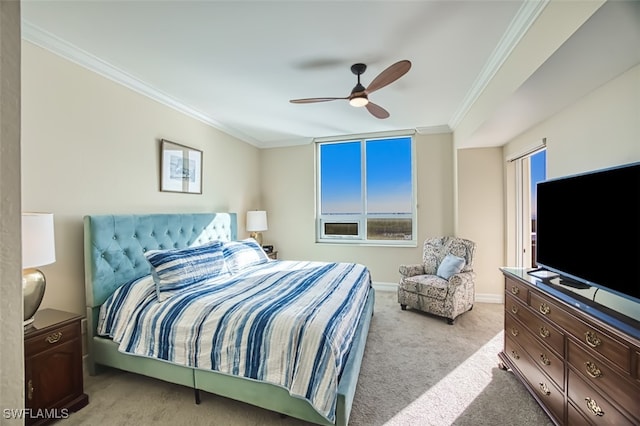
(52, 338)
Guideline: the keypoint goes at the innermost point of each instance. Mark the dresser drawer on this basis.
(598, 374)
(543, 357)
(598, 341)
(52, 338)
(516, 289)
(544, 330)
(592, 404)
(545, 390)
(575, 417)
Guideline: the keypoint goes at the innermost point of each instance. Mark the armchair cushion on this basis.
(450, 265)
(426, 285)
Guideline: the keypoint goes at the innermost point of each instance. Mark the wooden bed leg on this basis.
(197, 395)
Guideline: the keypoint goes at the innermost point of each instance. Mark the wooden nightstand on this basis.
(53, 367)
(273, 255)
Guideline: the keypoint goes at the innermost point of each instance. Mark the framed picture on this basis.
(180, 168)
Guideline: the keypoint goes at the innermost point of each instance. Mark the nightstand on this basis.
(273, 255)
(53, 367)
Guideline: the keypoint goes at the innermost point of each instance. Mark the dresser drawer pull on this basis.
(544, 309)
(515, 354)
(545, 389)
(55, 337)
(30, 389)
(592, 405)
(514, 309)
(544, 332)
(544, 359)
(515, 290)
(591, 339)
(514, 331)
(593, 370)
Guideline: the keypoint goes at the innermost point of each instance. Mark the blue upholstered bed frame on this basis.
(114, 247)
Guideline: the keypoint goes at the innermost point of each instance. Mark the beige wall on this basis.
(11, 315)
(91, 146)
(600, 130)
(288, 188)
(481, 216)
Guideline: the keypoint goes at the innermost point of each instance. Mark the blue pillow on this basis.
(177, 269)
(449, 266)
(239, 255)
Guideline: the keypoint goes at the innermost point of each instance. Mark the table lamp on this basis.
(38, 249)
(256, 223)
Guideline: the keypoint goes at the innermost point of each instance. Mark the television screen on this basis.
(588, 228)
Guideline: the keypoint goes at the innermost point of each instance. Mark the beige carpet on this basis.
(417, 370)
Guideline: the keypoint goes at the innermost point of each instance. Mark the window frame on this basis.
(361, 218)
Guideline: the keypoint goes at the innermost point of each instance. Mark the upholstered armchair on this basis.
(444, 283)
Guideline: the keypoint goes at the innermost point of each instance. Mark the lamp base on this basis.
(33, 286)
(257, 236)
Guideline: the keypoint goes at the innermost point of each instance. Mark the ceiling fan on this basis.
(359, 96)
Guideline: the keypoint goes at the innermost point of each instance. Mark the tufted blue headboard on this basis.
(114, 245)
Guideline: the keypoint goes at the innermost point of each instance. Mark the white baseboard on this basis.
(480, 297)
(381, 286)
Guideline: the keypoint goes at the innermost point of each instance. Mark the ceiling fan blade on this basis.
(377, 111)
(312, 100)
(389, 75)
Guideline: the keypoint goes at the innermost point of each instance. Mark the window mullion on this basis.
(363, 178)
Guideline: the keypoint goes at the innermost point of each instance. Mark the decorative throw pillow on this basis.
(239, 255)
(449, 266)
(177, 269)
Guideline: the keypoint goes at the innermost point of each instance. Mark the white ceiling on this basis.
(237, 64)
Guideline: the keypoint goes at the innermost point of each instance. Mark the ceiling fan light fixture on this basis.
(359, 101)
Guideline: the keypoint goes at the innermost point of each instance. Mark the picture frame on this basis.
(180, 168)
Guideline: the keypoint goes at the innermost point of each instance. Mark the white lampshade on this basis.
(38, 243)
(257, 221)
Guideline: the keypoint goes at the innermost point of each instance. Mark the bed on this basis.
(115, 247)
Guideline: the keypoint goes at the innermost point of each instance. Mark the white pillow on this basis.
(239, 255)
(450, 265)
(177, 269)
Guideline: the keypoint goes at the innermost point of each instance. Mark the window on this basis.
(366, 191)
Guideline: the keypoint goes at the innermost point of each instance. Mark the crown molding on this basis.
(60, 47)
(526, 16)
(433, 130)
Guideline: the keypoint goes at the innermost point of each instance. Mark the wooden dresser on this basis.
(578, 359)
(53, 367)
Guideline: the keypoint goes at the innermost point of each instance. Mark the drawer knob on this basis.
(30, 389)
(514, 309)
(514, 331)
(515, 290)
(544, 359)
(593, 370)
(55, 337)
(592, 339)
(544, 309)
(515, 354)
(545, 389)
(544, 332)
(592, 405)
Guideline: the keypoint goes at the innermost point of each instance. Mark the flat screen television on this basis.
(588, 229)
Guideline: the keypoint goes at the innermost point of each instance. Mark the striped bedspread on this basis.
(286, 323)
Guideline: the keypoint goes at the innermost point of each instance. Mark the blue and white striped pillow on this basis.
(243, 254)
(176, 269)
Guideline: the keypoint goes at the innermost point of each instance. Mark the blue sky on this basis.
(388, 177)
(538, 173)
